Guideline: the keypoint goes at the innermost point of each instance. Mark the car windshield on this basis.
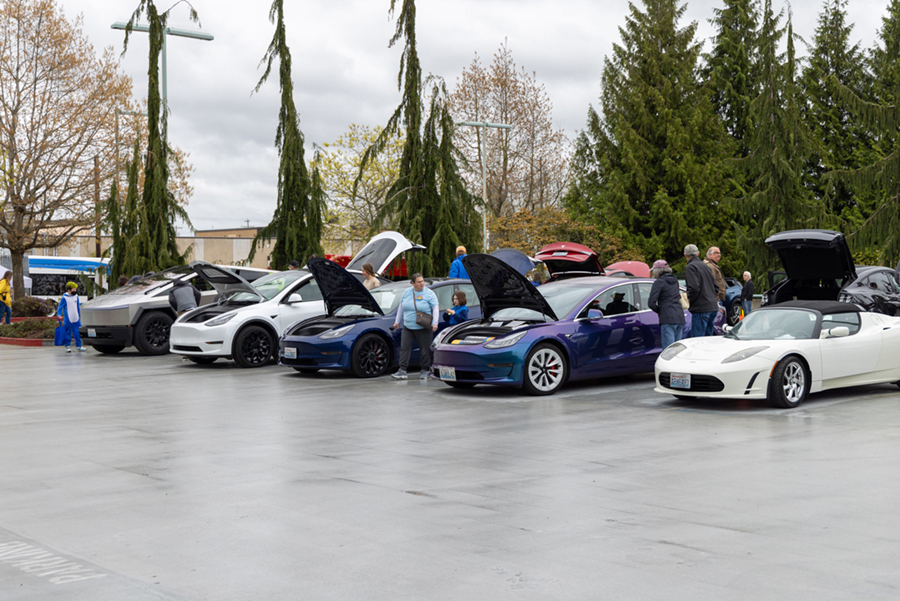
(269, 286)
(152, 281)
(563, 298)
(387, 297)
(776, 324)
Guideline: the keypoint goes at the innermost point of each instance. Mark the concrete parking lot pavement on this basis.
(127, 477)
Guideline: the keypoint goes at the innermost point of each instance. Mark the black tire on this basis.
(151, 335)
(108, 349)
(202, 360)
(460, 384)
(371, 356)
(734, 312)
(306, 370)
(789, 384)
(253, 347)
(545, 370)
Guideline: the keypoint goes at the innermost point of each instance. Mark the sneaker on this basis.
(68, 349)
(400, 374)
(423, 375)
(81, 349)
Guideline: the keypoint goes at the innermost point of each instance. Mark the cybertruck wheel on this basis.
(151, 335)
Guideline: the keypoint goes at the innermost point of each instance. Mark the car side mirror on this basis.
(727, 328)
(594, 314)
(294, 298)
(836, 332)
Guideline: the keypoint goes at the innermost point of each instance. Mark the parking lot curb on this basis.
(27, 341)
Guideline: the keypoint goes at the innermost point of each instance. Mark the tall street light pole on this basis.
(183, 33)
(482, 125)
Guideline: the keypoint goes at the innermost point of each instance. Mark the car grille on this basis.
(193, 349)
(461, 375)
(698, 383)
(300, 362)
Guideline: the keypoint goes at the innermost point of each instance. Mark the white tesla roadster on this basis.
(784, 352)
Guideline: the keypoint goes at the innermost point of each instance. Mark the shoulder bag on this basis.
(422, 319)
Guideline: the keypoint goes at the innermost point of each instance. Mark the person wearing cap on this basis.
(457, 269)
(183, 297)
(665, 301)
(618, 305)
(701, 292)
(293, 265)
(68, 314)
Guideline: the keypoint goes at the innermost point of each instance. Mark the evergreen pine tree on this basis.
(651, 170)
(882, 176)
(730, 69)
(154, 243)
(297, 222)
(428, 203)
(842, 141)
(780, 145)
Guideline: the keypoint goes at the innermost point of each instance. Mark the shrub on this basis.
(32, 306)
(30, 328)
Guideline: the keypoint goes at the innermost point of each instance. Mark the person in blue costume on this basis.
(69, 316)
(460, 312)
(457, 269)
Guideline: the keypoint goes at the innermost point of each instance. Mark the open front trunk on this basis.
(826, 289)
(319, 325)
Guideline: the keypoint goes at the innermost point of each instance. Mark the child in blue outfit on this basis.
(69, 316)
(460, 312)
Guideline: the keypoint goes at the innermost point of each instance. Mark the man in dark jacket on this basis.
(701, 291)
(747, 294)
(183, 297)
(665, 300)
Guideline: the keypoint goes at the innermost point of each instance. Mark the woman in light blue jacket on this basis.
(422, 300)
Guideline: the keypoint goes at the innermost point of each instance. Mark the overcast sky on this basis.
(345, 73)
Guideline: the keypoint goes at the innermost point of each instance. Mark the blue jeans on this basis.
(747, 305)
(5, 312)
(702, 324)
(671, 332)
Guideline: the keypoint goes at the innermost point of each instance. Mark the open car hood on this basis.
(567, 259)
(516, 259)
(225, 282)
(499, 286)
(813, 254)
(382, 250)
(340, 288)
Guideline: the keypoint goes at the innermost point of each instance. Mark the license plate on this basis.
(92, 333)
(448, 374)
(290, 352)
(682, 381)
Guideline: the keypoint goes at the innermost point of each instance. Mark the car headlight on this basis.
(336, 333)
(671, 351)
(505, 341)
(744, 354)
(222, 319)
(440, 337)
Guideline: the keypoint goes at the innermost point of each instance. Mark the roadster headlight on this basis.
(222, 319)
(505, 341)
(336, 333)
(671, 351)
(744, 354)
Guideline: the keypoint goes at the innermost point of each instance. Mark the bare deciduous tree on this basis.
(57, 109)
(527, 166)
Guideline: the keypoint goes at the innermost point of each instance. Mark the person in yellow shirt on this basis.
(6, 298)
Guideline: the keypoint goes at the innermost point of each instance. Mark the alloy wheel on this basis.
(546, 370)
(794, 382)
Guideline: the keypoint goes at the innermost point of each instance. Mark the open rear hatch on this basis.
(567, 259)
(340, 288)
(382, 250)
(813, 255)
